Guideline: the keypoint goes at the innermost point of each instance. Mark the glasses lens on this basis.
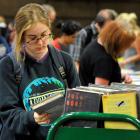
(43, 37)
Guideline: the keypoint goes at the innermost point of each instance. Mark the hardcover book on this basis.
(53, 104)
(102, 88)
(124, 103)
(122, 86)
(129, 87)
(82, 100)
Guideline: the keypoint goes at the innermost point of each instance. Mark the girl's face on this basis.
(36, 39)
(70, 39)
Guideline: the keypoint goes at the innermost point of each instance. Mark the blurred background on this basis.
(86, 13)
(83, 11)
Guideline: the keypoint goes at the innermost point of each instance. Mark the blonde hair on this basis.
(24, 19)
(130, 20)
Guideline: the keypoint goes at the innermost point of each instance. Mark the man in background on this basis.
(51, 12)
(90, 32)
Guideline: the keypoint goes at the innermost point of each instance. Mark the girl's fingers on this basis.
(45, 122)
(41, 118)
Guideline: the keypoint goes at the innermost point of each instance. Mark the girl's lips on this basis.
(38, 49)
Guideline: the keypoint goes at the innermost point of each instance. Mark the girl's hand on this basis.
(42, 118)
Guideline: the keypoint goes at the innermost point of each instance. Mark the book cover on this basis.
(122, 86)
(52, 103)
(124, 103)
(129, 87)
(81, 100)
(102, 88)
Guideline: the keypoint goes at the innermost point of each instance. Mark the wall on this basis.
(86, 10)
(8, 8)
(81, 10)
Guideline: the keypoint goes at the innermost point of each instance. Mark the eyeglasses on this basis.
(33, 39)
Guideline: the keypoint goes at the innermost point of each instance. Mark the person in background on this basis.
(51, 12)
(4, 46)
(90, 32)
(39, 77)
(11, 34)
(69, 30)
(104, 16)
(131, 57)
(98, 63)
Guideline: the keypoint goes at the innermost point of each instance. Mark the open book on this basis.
(51, 103)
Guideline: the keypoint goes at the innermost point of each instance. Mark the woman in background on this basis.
(98, 63)
(131, 57)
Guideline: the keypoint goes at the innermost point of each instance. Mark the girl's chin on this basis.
(40, 54)
(42, 51)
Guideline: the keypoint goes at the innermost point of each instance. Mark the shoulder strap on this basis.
(58, 61)
(16, 68)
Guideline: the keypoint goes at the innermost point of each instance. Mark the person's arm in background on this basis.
(103, 73)
(135, 57)
(101, 81)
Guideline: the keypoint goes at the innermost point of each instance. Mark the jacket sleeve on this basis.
(71, 72)
(12, 112)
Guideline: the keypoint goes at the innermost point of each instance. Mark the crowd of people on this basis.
(27, 69)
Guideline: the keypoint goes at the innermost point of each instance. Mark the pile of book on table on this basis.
(117, 98)
(135, 75)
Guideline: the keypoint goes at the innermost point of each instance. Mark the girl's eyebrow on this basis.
(37, 35)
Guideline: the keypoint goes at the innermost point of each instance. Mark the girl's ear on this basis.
(23, 45)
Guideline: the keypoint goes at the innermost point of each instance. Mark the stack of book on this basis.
(130, 87)
(82, 99)
(107, 99)
(135, 77)
(116, 98)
